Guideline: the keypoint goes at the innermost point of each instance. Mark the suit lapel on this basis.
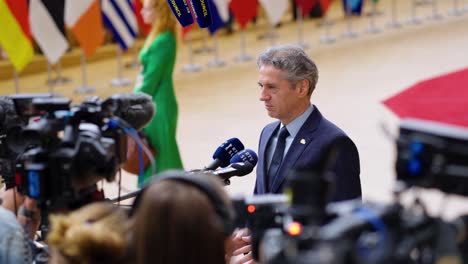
(303, 138)
(267, 134)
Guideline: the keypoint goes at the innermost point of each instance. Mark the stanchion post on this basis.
(84, 88)
(456, 11)
(327, 38)
(414, 19)
(16, 80)
(120, 80)
(349, 33)
(435, 11)
(243, 56)
(300, 28)
(60, 79)
(394, 14)
(216, 61)
(373, 29)
(191, 67)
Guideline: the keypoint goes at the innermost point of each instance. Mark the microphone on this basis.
(181, 11)
(235, 169)
(201, 10)
(246, 155)
(137, 109)
(224, 153)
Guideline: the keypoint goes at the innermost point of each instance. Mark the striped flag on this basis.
(48, 29)
(355, 6)
(276, 10)
(15, 33)
(119, 18)
(223, 9)
(84, 19)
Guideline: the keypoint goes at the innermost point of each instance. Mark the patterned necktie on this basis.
(277, 156)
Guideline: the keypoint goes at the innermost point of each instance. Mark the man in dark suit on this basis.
(302, 136)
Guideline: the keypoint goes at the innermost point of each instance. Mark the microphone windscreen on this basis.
(201, 10)
(135, 108)
(181, 11)
(228, 149)
(246, 155)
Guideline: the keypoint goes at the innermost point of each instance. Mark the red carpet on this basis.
(442, 99)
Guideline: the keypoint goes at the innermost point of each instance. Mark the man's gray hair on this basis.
(293, 61)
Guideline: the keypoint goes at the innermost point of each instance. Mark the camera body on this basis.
(312, 230)
(60, 150)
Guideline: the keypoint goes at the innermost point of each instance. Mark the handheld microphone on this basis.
(181, 11)
(201, 10)
(235, 169)
(137, 109)
(224, 153)
(246, 155)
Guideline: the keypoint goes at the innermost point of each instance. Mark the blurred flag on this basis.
(216, 20)
(48, 28)
(276, 10)
(306, 6)
(144, 28)
(243, 11)
(325, 5)
(355, 6)
(186, 30)
(223, 9)
(119, 18)
(15, 33)
(84, 19)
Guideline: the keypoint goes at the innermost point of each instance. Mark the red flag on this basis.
(306, 6)
(325, 4)
(186, 29)
(144, 28)
(243, 11)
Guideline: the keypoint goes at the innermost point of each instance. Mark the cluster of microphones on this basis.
(183, 12)
(233, 159)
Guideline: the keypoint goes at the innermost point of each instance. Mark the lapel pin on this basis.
(303, 141)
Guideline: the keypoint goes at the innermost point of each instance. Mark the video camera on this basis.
(54, 151)
(305, 228)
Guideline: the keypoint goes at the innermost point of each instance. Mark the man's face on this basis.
(280, 98)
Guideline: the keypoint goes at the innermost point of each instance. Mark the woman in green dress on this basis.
(158, 59)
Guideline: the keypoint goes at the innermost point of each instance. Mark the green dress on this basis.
(158, 61)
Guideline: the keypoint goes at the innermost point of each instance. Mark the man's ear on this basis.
(302, 88)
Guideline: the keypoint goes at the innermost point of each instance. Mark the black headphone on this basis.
(225, 215)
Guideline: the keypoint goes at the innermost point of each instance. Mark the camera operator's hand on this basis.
(29, 216)
(241, 240)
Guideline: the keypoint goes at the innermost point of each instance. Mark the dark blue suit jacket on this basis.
(318, 134)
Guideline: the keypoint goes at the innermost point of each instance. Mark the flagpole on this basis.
(16, 79)
(456, 11)
(394, 22)
(327, 38)
(204, 48)
(216, 61)
(414, 20)
(349, 33)
(300, 28)
(243, 56)
(84, 88)
(435, 11)
(135, 64)
(120, 80)
(373, 29)
(191, 67)
(60, 79)
(50, 81)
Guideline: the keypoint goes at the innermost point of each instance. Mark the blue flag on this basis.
(355, 6)
(216, 20)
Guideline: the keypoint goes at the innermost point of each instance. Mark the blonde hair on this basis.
(164, 20)
(96, 233)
